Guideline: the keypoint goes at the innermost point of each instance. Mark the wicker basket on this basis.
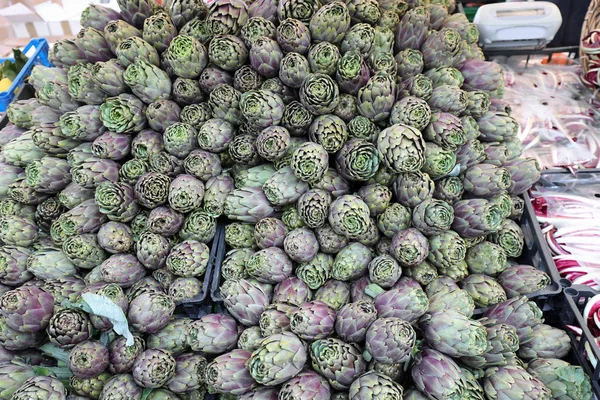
(591, 22)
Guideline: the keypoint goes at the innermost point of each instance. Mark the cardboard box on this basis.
(42, 18)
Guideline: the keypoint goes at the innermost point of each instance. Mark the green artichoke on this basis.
(227, 52)
(565, 381)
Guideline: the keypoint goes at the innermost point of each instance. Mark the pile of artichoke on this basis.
(369, 177)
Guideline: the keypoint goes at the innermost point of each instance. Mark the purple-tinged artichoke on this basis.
(13, 265)
(27, 309)
(121, 356)
(227, 374)
(313, 320)
(334, 293)
(121, 387)
(270, 265)
(442, 48)
(189, 373)
(248, 205)
(301, 245)
(213, 334)
(319, 94)
(522, 280)
(409, 247)
(69, 327)
(483, 75)
(244, 300)
(412, 30)
(518, 312)
(307, 384)
(376, 98)
(316, 272)
(340, 362)
(402, 301)
(293, 36)
(524, 173)
(88, 359)
(275, 319)
(476, 217)
(40, 387)
(14, 340)
(330, 23)
(349, 216)
(160, 115)
(149, 312)
(437, 375)
(153, 368)
(357, 160)
(394, 219)
(522, 384)
(292, 290)
(94, 171)
(265, 57)
(164, 221)
(112, 146)
(353, 320)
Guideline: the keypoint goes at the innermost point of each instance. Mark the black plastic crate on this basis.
(215, 287)
(535, 253)
(567, 310)
(201, 304)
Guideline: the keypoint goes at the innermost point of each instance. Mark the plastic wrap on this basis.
(558, 116)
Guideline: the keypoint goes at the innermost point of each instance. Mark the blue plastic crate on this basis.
(40, 56)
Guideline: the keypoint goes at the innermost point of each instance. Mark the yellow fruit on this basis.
(5, 84)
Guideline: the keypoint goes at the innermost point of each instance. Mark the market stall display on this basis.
(368, 177)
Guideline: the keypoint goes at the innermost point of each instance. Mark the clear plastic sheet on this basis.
(558, 116)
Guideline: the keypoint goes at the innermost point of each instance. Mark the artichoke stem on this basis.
(146, 393)
(63, 374)
(367, 356)
(373, 290)
(55, 352)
